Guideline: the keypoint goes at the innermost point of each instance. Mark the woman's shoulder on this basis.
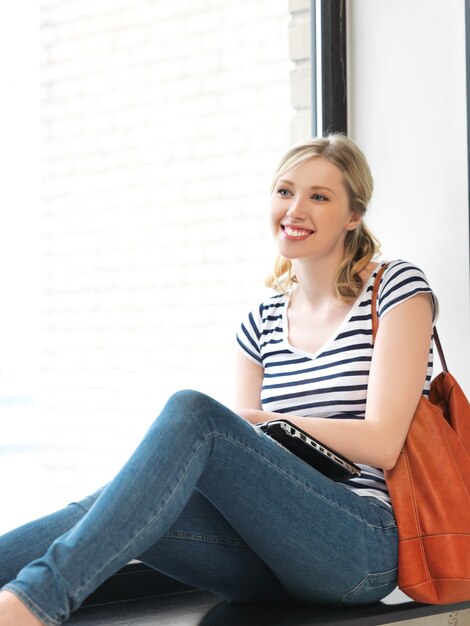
(270, 304)
(399, 273)
(265, 317)
(270, 308)
(400, 281)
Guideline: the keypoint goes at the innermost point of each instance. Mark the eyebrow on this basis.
(289, 182)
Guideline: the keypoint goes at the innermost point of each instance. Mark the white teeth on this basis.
(295, 232)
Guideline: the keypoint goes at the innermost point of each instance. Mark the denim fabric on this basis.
(211, 501)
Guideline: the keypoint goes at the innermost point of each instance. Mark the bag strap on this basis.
(375, 292)
(440, 351)
(375, 318)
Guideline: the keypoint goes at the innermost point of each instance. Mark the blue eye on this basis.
(319, 198)
(282, 191)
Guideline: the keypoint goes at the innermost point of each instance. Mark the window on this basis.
(161, 126)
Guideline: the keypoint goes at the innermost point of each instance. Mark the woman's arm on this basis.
(248, 383)
(396, 381)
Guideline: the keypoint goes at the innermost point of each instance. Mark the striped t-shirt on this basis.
(331, 383)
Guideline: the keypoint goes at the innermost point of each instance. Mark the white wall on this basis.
(408, 113)
(19, 205)
(162, 124)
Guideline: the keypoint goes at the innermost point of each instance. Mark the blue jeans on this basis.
(208, 499)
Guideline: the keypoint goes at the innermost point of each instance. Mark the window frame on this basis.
(329, 67)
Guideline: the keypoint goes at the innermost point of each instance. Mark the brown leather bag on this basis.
(430, 491)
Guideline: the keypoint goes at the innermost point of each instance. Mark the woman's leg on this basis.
(323, 542)
(201, 549)
(263, 583)
(30, 541)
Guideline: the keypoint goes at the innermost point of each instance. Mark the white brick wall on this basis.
(300, 54)
(19, 207)
(162, 124)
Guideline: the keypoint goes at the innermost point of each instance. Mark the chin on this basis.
(291, 256)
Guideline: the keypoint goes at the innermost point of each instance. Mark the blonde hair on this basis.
(360, 245)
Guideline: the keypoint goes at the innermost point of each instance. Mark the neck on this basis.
(316, 281)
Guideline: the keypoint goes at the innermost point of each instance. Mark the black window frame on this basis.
(329, 67)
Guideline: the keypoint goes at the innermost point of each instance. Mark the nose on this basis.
(296, 208)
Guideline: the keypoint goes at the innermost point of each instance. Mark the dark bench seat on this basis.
(138, 596)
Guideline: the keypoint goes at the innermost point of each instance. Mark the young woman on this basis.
(210, 499)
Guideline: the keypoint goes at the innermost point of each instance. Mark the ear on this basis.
(353, 221)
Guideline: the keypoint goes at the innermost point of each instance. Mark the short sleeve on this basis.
(249, 336)
(400, 282)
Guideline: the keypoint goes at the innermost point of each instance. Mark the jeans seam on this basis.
(392, 524)
(177, 534)
(305, 487)
(352, 593)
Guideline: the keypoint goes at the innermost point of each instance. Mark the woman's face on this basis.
(310, 213)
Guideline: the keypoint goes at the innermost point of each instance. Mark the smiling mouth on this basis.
(296, 233)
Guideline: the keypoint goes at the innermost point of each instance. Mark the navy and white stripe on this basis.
(331, 383)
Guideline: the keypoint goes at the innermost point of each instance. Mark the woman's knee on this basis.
(191, 399)
(188, 406)
(190, 402)
(86, 503)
